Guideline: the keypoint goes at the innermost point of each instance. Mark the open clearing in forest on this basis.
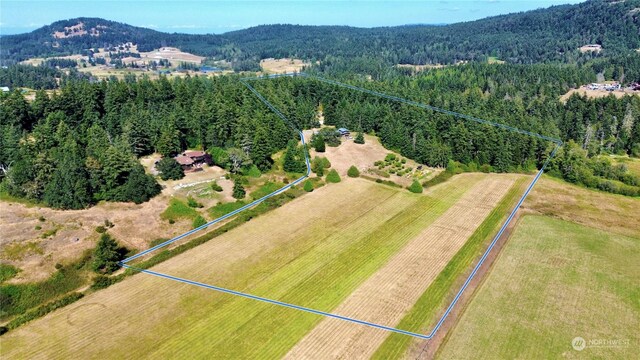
(555, 280)
(333, 241)
(282, 66)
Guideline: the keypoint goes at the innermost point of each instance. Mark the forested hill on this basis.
(552, 34)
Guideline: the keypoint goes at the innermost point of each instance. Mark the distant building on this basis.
(344, 132)
(193, 160)
(209, 69)
(4, 88)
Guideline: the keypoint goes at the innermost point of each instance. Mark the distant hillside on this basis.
(552, 34)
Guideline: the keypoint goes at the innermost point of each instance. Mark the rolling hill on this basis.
(551, 34)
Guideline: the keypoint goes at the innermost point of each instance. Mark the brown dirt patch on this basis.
(363, 156)
(387, 295)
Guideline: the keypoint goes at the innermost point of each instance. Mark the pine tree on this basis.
(106, 255)
(359, 138)
(319, 143)
(238, 190)
(293, 160)
(169, 169)
(261, 150)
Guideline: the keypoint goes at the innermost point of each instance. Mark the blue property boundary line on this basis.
(245, 81)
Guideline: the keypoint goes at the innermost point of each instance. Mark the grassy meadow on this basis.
(555, 280)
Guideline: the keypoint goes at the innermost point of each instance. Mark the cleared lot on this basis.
(312, 252)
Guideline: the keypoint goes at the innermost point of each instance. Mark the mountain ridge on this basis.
(550, 34)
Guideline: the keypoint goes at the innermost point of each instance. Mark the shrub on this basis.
(308, 186)
(169, 169)
(215, 187)
(198, 221)
(193, 203)
(101, 229)
(333, 177)
(390, 158)
(254, 172)
(38, 227)
(359, 138)
(353, 172)
(415, 187)
(7, 272)
(108, 224)
(41, 218)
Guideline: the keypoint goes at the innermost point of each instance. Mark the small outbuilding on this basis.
(344, 132)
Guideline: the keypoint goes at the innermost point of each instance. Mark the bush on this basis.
(415, 187)
(390, 158)
(198, 221)
(7, 272)
(193, 203)
(333, 177)
(308, 186)
(169, 169)
(101, 229)
(38, 227)
(41, 311)
(254, 172)
(353, 172)
(108, 224)
(215, 187)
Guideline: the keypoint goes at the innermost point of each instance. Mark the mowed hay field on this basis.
(316, 251)
(554, 281)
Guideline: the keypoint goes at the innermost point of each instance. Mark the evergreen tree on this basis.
(318, 143)
(261, 151)
(169, 169)
(353, 172)
(106, 255)
(69, 185)
(293, 160)
(359, 138)
(238, 190)
(333, 177)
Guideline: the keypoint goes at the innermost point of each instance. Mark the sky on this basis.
(199, 17)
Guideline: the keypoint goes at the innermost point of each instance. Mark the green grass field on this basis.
(554, 281)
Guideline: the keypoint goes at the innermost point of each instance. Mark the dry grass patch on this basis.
(608, 212)
(284, 65)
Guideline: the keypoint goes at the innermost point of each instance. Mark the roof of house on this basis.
(4, 88)
(193, 154)
(184, 160)
(342, 130)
